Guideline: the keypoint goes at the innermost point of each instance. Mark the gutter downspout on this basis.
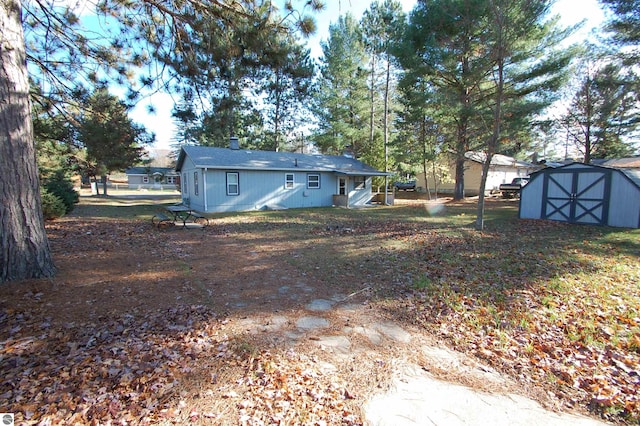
(348, 192)
(204, 189)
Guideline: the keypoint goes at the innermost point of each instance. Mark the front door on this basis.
(342, 186)
(577, 197)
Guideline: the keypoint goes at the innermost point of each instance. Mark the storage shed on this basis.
(583, 193)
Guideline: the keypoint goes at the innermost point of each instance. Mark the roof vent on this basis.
(233, 143)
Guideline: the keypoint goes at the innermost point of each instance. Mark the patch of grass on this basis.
(139, 207)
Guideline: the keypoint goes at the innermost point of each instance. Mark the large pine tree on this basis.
(68, 59)
(343, 106)
(24, 250)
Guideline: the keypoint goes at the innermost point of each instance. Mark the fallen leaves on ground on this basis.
(133, 369)
(128, 341)
(560, 313)
(123, 369)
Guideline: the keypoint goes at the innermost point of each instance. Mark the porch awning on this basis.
(362, 173)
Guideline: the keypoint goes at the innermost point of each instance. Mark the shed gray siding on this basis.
(582, 193)
(625, 201)
(531, 199)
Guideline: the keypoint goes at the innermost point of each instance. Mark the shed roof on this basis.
(632, 174)
(242, 159)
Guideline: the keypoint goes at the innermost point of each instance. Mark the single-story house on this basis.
(501, 170)
(583, 193)
(234, 179)
(152, 178)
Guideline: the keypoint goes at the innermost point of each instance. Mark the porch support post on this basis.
(204, 189)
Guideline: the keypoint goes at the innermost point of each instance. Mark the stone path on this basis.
(415, 396)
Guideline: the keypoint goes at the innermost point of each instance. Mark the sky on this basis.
(161, 122)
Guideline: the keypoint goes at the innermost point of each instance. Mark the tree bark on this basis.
(24, 249)
(104, 185)
(458, 193)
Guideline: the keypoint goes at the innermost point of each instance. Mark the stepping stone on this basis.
(393, 331)
(336, 344)
(351, 307)
(274, 323)
(374, 337)
(417, 398)
(338, 297)
(311, 323)
(320, 305)
(304, 287)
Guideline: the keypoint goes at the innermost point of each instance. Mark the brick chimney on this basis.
(233, 143)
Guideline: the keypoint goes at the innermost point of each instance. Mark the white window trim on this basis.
(289, 183)
(356, 186)
(145, 179)
(315, 182)
(237, 184)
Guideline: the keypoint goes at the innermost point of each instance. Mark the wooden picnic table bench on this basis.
(160, 219)
(179, 213)
(199, 218)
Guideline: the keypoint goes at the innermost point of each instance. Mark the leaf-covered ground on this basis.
(144, 326)
(541, 301)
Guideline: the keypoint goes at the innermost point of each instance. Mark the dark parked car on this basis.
(405, 186)
(510, 190)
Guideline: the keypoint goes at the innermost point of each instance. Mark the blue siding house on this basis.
(234, 179)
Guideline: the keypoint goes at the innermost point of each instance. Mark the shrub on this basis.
(62, 188)
(52, 206)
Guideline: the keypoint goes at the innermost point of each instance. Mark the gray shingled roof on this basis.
(622, 163)
(497, 159)
(243, 159)
(148, 170)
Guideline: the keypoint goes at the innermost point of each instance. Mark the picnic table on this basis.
(171, 215)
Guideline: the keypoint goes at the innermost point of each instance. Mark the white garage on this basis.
(583, 193)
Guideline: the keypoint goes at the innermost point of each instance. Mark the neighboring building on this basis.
(583, 193)
(152, 178)
(234, 179)
(502, 170)
(619, 163)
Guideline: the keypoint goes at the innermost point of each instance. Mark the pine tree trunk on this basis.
(458, 193)
(24, 248)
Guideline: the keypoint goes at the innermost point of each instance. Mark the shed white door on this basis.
(577, 197)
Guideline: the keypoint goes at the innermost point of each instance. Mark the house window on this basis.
(359, 182)
(185, 188)
(145, 179)
(313, 181)
(195, 183)
(288, 181)
(233, 183)
(171, 179)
